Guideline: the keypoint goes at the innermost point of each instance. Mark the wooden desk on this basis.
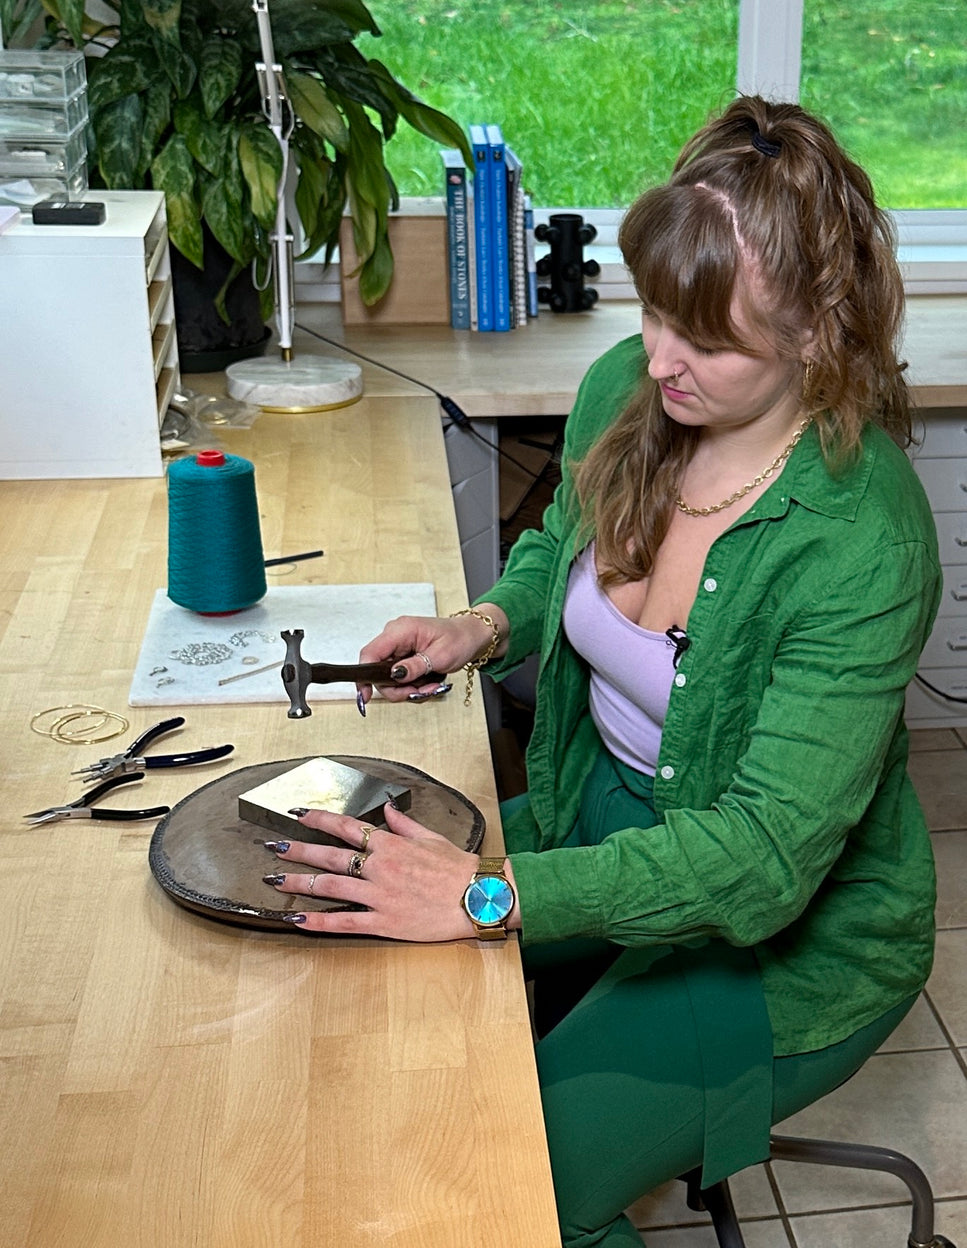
(535, 371)
(172, 1082)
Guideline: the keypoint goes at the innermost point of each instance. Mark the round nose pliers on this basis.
(133, 760)
(82, 808)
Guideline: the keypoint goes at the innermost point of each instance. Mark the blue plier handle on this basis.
(82, 808)
(133, 760)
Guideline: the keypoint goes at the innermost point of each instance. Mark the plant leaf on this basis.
(163, 17)
(314, 107)
(117, 130)
(16, 18)
(127, 68)
(173, 171)
(219, 71)
(377, 273)
(300, 27)
(70, 13)
(355, 14)
(261, 160)
(429, 121)
(205, 139)
(221, 295)
(156, 115)
(227, 218)
(179, 67)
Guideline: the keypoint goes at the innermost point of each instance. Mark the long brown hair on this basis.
(763, 193)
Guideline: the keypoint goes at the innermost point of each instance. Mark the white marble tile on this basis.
(876, 1228)
(947, 986)
(915, 1103)
(950, 852)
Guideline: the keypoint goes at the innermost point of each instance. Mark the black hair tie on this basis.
(761, 144)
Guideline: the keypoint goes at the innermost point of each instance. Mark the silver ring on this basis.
(356, 864)
(429, 665)
(367, 830)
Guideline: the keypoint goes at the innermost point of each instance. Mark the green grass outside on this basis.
(597, 97)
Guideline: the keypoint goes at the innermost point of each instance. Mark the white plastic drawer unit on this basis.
(941, 464)
(90, 356)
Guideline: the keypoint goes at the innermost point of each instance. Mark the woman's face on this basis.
(720, 388)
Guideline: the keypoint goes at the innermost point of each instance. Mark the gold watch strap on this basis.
(491, 866)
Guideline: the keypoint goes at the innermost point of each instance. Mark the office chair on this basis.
(716, 1200)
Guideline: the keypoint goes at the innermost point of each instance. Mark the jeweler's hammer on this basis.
(298, 675)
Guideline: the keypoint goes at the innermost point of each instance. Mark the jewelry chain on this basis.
(475, 664)
(766, 473)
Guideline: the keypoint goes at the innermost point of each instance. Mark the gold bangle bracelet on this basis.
(475, 664)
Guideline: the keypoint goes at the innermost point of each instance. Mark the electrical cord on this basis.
(947, 697)
(450, 406)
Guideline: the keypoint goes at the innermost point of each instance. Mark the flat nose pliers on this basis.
(133, 760)
(82, 808)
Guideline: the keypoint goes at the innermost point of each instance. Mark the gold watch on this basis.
(489, 899)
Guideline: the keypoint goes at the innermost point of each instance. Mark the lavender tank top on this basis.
(631, 668)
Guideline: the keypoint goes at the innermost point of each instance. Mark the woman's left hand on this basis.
(411, 879)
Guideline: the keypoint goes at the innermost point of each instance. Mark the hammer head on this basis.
(296, 673)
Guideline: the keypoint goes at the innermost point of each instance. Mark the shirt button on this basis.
(680, 679)
(667, 773)
(711, 584)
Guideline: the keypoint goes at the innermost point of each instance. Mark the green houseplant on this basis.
(175, 105)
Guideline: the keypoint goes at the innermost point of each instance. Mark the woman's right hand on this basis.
(448, 644)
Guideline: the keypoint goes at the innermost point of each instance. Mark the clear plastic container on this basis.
(42, 155)
(26, 74)
(27, 118)
(24, 192)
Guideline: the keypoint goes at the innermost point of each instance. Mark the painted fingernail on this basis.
(398, 672)
(298, 811)
(294, 918)
(277, 847)
(273, 879)
(423, 696)
(361, 704)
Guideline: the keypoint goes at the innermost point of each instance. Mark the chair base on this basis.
(717, 1199)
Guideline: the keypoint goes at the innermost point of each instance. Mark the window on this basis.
(891, 78)
(597, 96)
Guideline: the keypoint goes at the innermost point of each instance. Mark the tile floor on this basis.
(911, 1096)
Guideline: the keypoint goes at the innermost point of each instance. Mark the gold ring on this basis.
(429, 665)
(356, 864)
(311, 885)
(367, 830)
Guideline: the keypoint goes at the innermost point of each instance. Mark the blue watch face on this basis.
(489, 900)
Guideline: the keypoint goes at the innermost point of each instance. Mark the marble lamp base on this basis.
(303, 385)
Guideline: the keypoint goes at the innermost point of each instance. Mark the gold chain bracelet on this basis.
(475, 664)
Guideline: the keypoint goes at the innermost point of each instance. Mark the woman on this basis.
(721, 872)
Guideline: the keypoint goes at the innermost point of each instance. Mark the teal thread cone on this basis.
(215, 559)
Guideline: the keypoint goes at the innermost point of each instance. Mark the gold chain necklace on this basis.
(766, 473)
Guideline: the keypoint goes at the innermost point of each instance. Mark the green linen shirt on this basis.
(788, 820)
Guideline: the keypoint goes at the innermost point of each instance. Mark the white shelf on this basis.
(90, 356)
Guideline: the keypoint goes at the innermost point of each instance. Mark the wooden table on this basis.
(171, 1081)
(535, 370)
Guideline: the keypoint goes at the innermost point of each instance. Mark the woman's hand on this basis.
(425, 644)
(410, 879)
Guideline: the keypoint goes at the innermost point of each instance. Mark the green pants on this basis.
(654, 1061)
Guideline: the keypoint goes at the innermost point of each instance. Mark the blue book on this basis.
(482, 228)
(458, 242)
(500, 232)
